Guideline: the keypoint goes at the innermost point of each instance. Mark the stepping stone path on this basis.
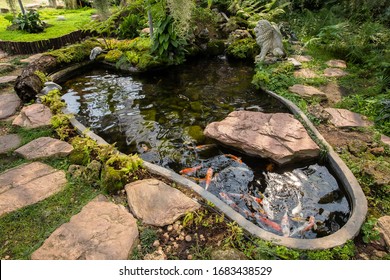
(333, 92)
(307, 91)
(28, 184)
(278, 137)
(336, 63)
(9, 103)
(334, 72)
(9, 142)
(33, 116)
(384, 229)
(385, 139)
(6, 67)
(344, 118)
(101, 231)
(302, 58)
(32, 58)
(7, 80)
(294, 62)
(305, 73)
(156, 203)
(44, 147)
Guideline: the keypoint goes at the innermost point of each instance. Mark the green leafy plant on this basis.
(370, 233)
(129, 27)
(243, 49)
(235, 235)
(30, 22)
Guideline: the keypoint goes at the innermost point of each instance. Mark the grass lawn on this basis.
(75, 19)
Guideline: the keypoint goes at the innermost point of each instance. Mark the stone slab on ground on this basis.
(336, 63)
(6, 67)
(333, 91)
(28, 184)
(294, 62)
(385, 139)
(101, 231)
(307, 91)
(9, 104)
(32, 58)
(334, 72)
(9, 142)
(33, 116)
(305, 73)
(384, 229)
(156, 203)
(44, 147)
(278, 137)
(302, 58)
(345, 118)
(7, 80)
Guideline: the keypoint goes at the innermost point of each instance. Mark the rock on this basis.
(101, 231)
(31, 58)
(385, 139)
(32, 6)
(239, 34)
(333, 91)
(269, 38)
(44, 147)
(145, 31)
(158, 255)
(95, 52)
(188, 238)
(345, 118)
(278, 137)
(384, 229)
(294, 62)
(49, 86)
(156, 203)
(334, 72)
(305, 73)
(6, 67)
(9, 142)
(61, 18)
(357, 147)
(302, 58)
(33, 116)
(377, 151)
(9, 103)
(336, 63)
(6, 80)
(228, 254)
(195, 132)
(378, 172)
(307, 91)
(4, 10)
(28, 184)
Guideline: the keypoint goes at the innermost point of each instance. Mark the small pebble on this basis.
(202, 238)
(166, 235)
(188, 238)
(156, 243)
(169, 228)
(172, 239)
(189, 257)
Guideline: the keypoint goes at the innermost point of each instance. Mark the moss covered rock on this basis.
(243, 49)
(195, 132)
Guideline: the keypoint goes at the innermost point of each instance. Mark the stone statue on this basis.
(269, 38)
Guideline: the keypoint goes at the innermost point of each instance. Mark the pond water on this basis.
(161, 116)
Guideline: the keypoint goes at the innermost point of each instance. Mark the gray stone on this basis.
(49, 86)
(305, 73)
(28, 184)
(336, 63)
(156, 203)
(302, 58)
(278, 137)
(6, 67)
(61, 18)
(44, 147)
(384, 229)
(334, 72)
(33, 116)
(294, 62)
(307, 91)
(346, 118)
(5, 80)
(385, 139)
(9, 103)
(9, 142)
(101, 231)
(228, 254)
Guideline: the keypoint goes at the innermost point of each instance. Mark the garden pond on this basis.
(161, 116)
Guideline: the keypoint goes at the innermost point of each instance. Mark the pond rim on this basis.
(356, 197)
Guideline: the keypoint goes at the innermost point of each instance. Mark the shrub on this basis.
(30, 22)
(243, 49)
(113, 56)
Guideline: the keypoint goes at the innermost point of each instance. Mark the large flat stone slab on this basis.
(302, 58)
(5, 80)
(385, 139)
(336, 63)
(344, 118)
(278, 137)
(384, 229)
(9, 142)
(307, 91)
(101, 231)
(28, 184)
(33, 116)
(305, 73)
(9, 104)
(44, 147)
(156, 203)
(334, 72)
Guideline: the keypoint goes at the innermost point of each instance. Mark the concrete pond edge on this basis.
(355, 193)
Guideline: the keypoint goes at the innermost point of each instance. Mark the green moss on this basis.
(132, 57)
(42, 76)
(74, 53)
(243, 49)
(113, 56)
(215, 47)
(196, 132)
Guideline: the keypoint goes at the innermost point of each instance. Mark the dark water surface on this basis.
(161, 116)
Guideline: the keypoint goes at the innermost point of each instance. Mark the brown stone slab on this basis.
(307, 91)
(346, 118)
(9, 142)
(44, 147)
(9, 103)
(33, 116)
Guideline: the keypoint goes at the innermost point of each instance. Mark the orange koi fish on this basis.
(270, 167)
(310, 224)
(285, 225)
(233, 157)
(209, 176)
(268, 222)
(190, 170)
(226, 198)
(205, 147)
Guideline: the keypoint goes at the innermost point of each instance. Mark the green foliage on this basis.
(166, 44)
(113, 56)
(30, 22)
(147, 237)
(235, 235)
(370, 233)
(243, 49)
(74, 53)
(103, 7)
(53, 101)
(132, 57)
(130, 26)
(345, 252)
(42, 76)
(181, 12)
